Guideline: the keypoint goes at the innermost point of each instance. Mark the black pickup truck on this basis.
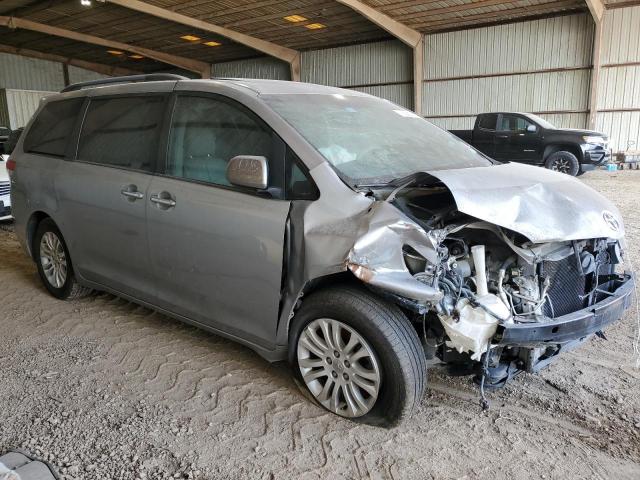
(527, 138)
(4, 136)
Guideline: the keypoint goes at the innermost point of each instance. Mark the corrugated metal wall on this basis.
(23, 81)
(540, 66)
(29, 73)
(33, 74)
(263, 67)
(21, 104)
(384, 69)
(81, 75)
(619, 83)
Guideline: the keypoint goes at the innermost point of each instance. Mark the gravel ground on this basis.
(105, 389)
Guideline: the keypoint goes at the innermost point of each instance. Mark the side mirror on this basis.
(248, 171)
(532, 128)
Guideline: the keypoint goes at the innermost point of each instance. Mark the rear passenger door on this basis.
(103, 193)
(217, 249)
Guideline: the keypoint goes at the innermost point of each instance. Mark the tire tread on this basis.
(388, 319)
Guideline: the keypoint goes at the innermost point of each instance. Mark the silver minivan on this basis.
(320, 225)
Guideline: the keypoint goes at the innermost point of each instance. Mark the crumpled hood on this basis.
(542, 205)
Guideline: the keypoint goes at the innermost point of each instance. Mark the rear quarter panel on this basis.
(32, 190)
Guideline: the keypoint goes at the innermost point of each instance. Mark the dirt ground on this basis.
(106, 389)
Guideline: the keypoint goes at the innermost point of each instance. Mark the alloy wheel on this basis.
(561, 165)
(53, 259)
(339, 367)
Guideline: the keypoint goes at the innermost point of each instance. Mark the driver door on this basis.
(516, 140)
(217, 249)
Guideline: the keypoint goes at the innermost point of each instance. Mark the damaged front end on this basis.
(485, 286)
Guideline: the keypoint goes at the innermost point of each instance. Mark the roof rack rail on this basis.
(151, 77)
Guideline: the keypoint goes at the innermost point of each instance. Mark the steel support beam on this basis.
(292, 57)
(418, 75)
(405, 34)
(201, 68)
(597, 8)
(94, 67)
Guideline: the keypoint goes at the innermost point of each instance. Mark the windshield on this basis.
(370, 141)
(541, 121)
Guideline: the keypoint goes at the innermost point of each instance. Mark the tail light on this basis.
(11, 165)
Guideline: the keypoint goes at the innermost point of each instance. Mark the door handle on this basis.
(165, 202)
(134, 195)
(502, 136)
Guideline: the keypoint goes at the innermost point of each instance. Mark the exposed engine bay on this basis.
(466, 281)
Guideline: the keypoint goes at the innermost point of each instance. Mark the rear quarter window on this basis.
(488, 122)
(52, 128)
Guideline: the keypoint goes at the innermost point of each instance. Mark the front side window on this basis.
(122, 132)
(371, 141)
(513, 123)
(52, 128)
(207, 132)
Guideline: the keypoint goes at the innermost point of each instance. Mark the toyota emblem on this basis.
(611, 220)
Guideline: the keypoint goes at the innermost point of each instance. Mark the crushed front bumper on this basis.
(573, 326)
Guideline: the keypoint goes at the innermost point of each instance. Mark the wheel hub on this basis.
(53, 259)
(339, 367)
(562, 165)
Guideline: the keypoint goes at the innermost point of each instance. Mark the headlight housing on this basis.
(594, 139)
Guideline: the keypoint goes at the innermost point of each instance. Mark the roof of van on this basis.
(273, 87)
(258, 86)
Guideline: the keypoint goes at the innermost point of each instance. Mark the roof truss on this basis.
(202, 68)
(291, 56)
(596, 7)
(94, 67)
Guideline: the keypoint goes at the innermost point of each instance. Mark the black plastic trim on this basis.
(572, 326)
(152, 77)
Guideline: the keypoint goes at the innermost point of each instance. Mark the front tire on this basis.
(358, 356)
(54, 263)
(563, 162)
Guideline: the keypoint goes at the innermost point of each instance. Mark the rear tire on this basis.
(54, 263)
(563, 162)
(382, 330)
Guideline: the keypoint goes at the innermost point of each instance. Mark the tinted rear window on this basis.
(52, 128)
(122, 132)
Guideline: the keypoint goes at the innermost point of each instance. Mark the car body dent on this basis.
(377, 256)
(365, 236)
(542, 205)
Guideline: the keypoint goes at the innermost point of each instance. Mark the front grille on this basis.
(5, 188)
(566, 287)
